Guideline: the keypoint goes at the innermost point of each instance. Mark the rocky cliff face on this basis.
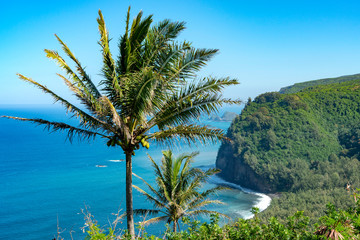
(234, 170)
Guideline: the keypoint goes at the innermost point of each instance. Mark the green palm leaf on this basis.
(85, 78)
(82, 134)
(78, 86)
(86, 120)
(189, 133)
(192, 101)
(178, 186)
(158, 39)
(154, 220)
(205, 213)
(111, 84)
(146, 211)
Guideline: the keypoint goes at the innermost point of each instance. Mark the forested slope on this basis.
(304, 143)
(299, 86)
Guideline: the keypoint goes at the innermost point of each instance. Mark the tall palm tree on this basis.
(176, 193)
(144, 95)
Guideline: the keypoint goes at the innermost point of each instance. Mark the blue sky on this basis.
(265, 44)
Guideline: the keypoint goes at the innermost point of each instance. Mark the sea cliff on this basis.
(298, 141)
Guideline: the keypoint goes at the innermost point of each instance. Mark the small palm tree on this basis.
(148, 93)
(177, 192)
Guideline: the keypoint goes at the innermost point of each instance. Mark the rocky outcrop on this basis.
(226, 117)
(229, 116)
(234, 170)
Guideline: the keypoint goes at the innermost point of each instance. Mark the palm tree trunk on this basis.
(174, 226)
(129, 196)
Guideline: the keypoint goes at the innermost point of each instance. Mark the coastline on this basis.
(264, 199)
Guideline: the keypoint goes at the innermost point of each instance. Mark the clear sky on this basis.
(265, 44)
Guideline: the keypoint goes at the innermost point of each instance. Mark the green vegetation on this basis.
(333, 224)
(150, 92)
(177, 191)
(297, 87)
(305, 145)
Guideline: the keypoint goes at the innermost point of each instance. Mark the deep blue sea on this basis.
(46, 181)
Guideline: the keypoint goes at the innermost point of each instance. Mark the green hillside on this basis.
(299, 144)
(300, 86)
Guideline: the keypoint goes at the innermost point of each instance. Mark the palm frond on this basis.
(62, 63)
(167, 171)
(198, 177)
(159, 176)
(186, 175)
(146, 211)
(190, 133)
(149, 197)
(168, 30)
(211, 171)
(160, 198)
(206, 213)
(192, 101)
(155, 220)
(158, 172)
(200, 198)
(110, 110)
(165, 189)
(86, 120)
(165, 61)
(72, 132)
(131, 43)
(84, 94)
(139, 96)
(192, 190)
(110, 84)
(191, 62)
(85, 78)
(91, 104)
(139, 30)
(203, 203)
(123, 61)
(157, 41)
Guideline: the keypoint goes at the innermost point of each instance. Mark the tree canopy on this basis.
(177, 191)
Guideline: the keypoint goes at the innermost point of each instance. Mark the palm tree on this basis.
(176, 194)
(145, 94)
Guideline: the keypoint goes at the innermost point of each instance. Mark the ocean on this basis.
(46, 180)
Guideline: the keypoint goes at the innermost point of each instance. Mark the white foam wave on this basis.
(102, 166)
(263, 202)
(121, 160)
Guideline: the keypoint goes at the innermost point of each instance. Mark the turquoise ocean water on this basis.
(46, 181)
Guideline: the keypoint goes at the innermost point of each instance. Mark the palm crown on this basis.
(177, 191)
(145, 94)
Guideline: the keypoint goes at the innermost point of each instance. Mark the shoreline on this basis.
(264, 199)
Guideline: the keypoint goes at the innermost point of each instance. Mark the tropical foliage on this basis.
(334, 224)
(305, 145)
(149, 92)
(177, 191)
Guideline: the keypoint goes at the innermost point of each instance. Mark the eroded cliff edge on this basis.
(236, 171)
(292, 142)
